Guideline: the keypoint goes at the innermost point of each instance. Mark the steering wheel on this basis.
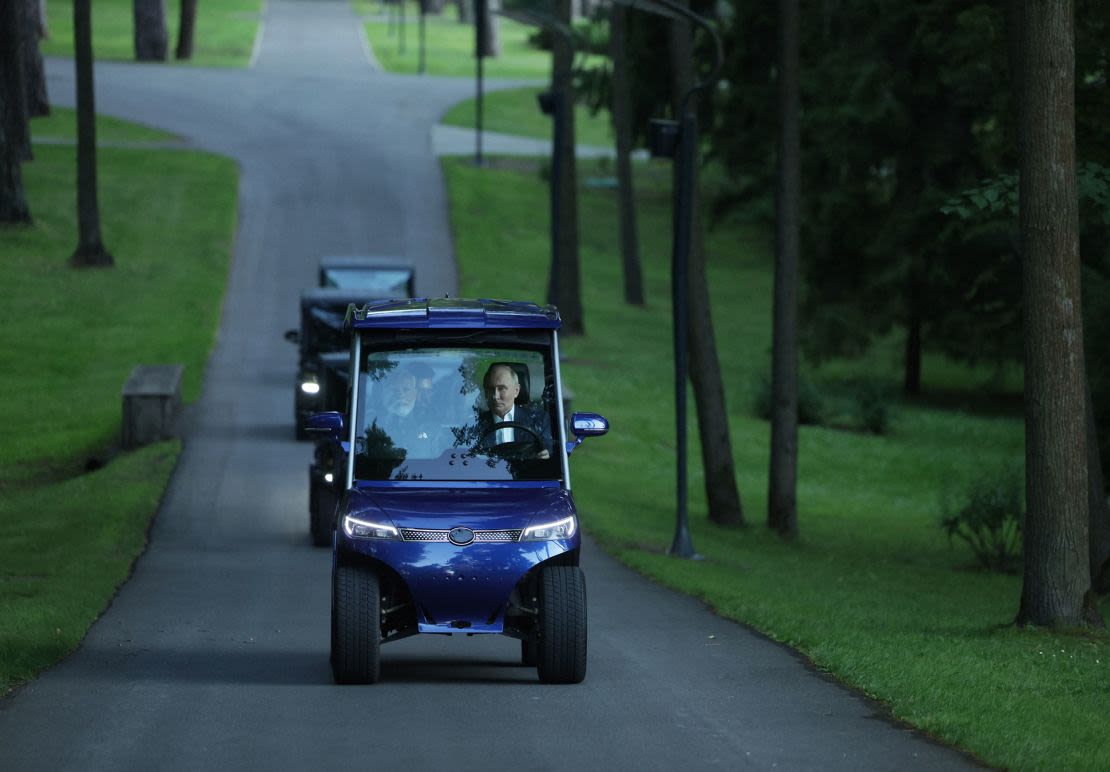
(516, 447)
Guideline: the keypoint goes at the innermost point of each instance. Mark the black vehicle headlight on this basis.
(310, 386)
(560, 529)
(364, 529)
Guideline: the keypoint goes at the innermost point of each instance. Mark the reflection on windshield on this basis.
(456, 414)
(378, 282)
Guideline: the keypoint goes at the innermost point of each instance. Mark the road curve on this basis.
(214, 655)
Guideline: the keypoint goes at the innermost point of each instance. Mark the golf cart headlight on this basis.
(364, 529)
(329, 477)
(310, 387)
(560, 529)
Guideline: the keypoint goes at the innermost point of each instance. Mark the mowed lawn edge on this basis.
(74, 512)
(872, 592)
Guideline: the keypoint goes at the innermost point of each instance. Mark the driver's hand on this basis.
(543, 454)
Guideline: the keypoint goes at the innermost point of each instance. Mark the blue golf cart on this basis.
(456, 514)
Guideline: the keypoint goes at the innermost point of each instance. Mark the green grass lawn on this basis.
(70, 338)
(871, 592)
(449, 46)
(515, 111)
(224, 35)
(61, 126)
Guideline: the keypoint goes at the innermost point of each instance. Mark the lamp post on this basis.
(678, 139)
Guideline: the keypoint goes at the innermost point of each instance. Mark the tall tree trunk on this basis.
(465, 9)
(34, 74)
(491, 44)
(782, 508)
(566, 283)
(151, 38)
(15, 76)
(1056, 588)
(911, 381)
(13, 119)
(622, 129)
(1098, 511)
(90, 252)
(186, 29)
(721, 491)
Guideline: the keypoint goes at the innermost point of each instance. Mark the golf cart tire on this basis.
(356, 626)
(562, 641)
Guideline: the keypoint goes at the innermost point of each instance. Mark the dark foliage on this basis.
(989, 518)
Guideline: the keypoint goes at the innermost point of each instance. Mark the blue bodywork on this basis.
(429, 584)
(459, 588)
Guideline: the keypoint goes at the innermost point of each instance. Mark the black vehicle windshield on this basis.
(378, 282)
(456, 414)
(323, 328)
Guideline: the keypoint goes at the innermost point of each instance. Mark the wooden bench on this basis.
(151, 404)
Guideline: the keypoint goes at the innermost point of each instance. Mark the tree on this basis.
(90, 252)
(722, 493)
(622, 130)
(186, 29)
(151, 38)
(13, 119)
(782, 509)
(490, 27)
(564, 284)
(38, 104)
(1098, 511)
(1056, 589)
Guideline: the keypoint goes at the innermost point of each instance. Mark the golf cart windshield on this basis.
(456, 414)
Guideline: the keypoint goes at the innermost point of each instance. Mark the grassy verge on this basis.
(61, 126)
(872, 592)
(449, 45)
(515, 111)
(67, 537)
(224, 35)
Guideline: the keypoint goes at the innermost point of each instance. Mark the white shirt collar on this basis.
(508, 416)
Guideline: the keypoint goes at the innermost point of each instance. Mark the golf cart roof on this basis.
(452, 313)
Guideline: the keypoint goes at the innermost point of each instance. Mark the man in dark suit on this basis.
(502, 387)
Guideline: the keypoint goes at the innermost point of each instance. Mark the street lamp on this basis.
(554, 103)
(678, 140)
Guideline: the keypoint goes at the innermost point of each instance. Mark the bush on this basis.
(990, 519)
(870, 411)
(811, 405)
(861, 406)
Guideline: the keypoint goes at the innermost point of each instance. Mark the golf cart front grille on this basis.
(414, 534)
(497, 535)
(420, 534)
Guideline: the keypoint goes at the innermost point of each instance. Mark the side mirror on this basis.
(293, 336)
(329, 423)
(586, 425)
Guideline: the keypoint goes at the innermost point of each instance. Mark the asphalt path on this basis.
(214, 655)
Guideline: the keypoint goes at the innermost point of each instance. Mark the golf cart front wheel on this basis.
(561, 647)
(356, 626)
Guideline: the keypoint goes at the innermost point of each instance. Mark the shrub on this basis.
(811, 405)
(870, 411)
(990, 519)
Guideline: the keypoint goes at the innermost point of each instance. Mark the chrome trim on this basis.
(356, 354)
(559, 407)
(502, 535)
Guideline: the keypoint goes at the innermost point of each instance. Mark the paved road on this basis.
(215, 654)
